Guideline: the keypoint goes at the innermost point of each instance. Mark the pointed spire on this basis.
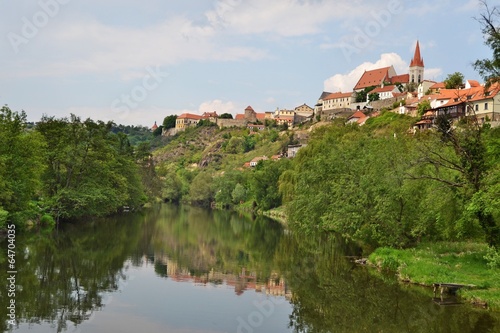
(417, 59)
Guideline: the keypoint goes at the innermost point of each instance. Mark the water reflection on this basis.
(215, 266)
(331, 294)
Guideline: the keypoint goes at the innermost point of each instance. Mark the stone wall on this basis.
(231, 123)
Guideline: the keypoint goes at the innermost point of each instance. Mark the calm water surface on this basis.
(185, 269)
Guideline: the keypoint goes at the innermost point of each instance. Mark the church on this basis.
(387, 76)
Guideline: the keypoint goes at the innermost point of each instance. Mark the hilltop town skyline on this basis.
(136, 63)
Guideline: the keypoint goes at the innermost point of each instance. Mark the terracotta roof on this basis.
(260, 115)
(240, 116)
(417, 59)
(372, 78)
(384, 89)
(249, 108)
(357, 114)
(338, 95)
(403, 78)
(210, 114)
(190, 116)
(473, 83)
(154, 126)
(438, 85)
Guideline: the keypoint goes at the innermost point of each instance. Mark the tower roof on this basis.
(417, 58)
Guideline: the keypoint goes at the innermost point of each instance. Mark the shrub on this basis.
(493, 258)
(47, 221)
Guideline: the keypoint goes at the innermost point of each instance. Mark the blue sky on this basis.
(135, 62)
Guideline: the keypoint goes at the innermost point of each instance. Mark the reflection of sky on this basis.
(148, 303)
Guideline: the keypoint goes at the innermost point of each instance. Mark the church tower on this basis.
(417, 67)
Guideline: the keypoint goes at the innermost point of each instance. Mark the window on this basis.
(486, 106)
(477, 107)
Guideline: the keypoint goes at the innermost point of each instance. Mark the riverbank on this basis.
(277, 214)
(469, 264)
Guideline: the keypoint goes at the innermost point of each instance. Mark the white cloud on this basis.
(283, 18)
(217, 105)
(88, 46)
(346, 82)
(434, 74)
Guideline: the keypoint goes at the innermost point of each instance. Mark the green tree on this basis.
(158, 131)
(362, 95)
(169, 121)
(21, 166)
(454, 81)
(226, 116)
(373, 97)
(236, 145)
(422, 107)
(90, 170)
(239, 194)
(489, 69)
(200, 191)
(264, 183)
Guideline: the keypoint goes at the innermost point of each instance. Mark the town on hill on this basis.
(377, 90)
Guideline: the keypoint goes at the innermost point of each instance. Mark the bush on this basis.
(493, 258)
(47, 221)
(3, 218)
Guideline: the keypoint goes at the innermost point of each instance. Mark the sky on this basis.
(135, 62)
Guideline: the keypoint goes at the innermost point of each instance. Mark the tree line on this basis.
(66, 168)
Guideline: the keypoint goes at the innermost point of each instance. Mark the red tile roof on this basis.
(438, 85)
(240, 116)
(249, 108)
(403, 78)
(260, 115)
(338, 95)
(210, 114)
(372, 78)
(189, 116)
(384, 89)
(417, 59)
(357, 114)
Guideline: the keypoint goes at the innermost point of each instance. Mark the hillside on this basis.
(196, 163)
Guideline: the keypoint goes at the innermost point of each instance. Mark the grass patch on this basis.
(445, 262)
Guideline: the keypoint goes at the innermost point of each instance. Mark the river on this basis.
(184, 269)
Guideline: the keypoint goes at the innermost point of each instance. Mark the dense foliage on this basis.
(383, 186)
(64, 168)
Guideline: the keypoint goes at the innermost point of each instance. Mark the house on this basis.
(282, 120)
(256, 160)
(337, 100)
(424, 87)
(358, 117)
(304, 109)
(386, 92)
(212, 116)
(426, 121)
(256, 127)
(186, 120)
(293, 149)
(484, 104)
(318, 108)
(436, 87)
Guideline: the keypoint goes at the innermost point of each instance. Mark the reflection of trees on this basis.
(63, 276)
(330, 294)
(202, 241)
